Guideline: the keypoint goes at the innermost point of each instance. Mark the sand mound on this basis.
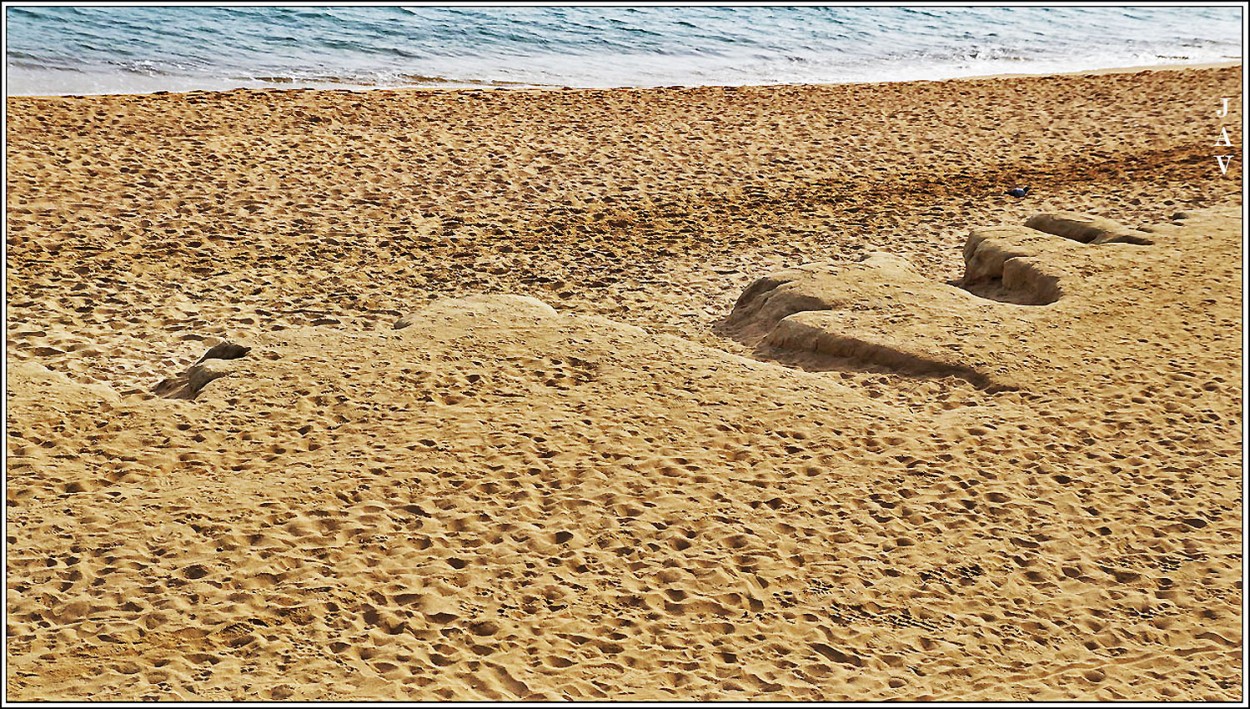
(882, 313)
(520, 489)
(1087, 228)
(878, 312)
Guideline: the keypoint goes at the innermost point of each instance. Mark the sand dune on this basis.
(455, 409)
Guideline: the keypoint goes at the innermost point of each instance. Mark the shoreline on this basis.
(538, 87)
(1117, 70)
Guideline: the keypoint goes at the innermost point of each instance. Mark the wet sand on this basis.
(569, 472)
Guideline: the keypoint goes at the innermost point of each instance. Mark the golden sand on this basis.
(513, 414)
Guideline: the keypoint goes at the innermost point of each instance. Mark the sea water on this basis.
(79, 50)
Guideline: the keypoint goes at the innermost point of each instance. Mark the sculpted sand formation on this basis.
(881, 312)
(211, 365)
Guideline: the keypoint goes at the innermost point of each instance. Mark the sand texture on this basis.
(675, 394)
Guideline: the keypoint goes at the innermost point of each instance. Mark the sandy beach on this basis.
(757, 393)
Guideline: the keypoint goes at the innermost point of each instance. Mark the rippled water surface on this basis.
(123, 49)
